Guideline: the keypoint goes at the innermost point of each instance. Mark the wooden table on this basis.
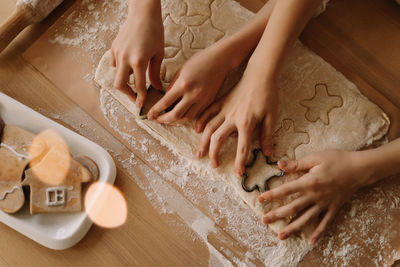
(359, 38)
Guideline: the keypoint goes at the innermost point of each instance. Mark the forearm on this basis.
(147, 7)
(242, 43)
(286, 22)
(381, 162)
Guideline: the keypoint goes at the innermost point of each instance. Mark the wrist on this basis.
(145, 8)
(262, 72)
(370, 168)
(265, 69)
(225, 52)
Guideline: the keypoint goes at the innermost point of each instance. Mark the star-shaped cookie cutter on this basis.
(250, 164)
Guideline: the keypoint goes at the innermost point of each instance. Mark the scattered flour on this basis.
(223, 208)
(352, 237)
(211, 207)
(91, 25)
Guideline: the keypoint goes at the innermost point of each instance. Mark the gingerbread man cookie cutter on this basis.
(245, 176)
(153, 96)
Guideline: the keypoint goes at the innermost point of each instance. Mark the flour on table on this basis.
(348, 121)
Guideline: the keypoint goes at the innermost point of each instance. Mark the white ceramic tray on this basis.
(55, 231)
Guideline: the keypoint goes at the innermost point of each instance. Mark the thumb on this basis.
(303, 164)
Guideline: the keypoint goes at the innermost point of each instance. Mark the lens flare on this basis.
(50, 156)
(105, 205)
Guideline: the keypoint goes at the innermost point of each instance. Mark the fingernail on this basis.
(314, 240)
(266, 220)
(261, 200)
(283, 163)
(283, 236)
(199, 153)
(268, 151)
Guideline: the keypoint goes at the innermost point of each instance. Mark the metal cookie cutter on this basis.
(250, 165)
(153, 96)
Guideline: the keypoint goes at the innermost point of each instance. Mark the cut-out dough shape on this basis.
(173, 33)
(170, 51)
(205, 35)
(187, 39)
(289, 140)
(171, 65)
(15, 155)
(196, 7)
(259, 171)
(319, 106)
(193, 20)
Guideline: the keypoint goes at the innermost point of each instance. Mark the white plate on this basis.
(55, 231)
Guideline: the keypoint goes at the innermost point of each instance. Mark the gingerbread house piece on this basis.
(56, 183)
(16, 151)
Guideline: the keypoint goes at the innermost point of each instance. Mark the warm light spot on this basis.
(52, 138)
(50, 158)
(105, 205)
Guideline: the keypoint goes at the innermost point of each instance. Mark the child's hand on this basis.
(195, 86)
(139, 44)
(332, 177)
(253, 101)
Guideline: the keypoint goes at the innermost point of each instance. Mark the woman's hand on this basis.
(253, 101)
(195, 85)
(139, 44)
(332, 178)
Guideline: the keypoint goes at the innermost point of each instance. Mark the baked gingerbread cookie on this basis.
(90, 165)
(54, 177)
(63, 194)
(55, 180)
(16, 151)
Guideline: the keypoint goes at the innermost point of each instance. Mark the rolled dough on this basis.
(319, 108)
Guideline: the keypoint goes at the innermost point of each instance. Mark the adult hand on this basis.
(253, 101)
(331, 178)
(139, 45)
